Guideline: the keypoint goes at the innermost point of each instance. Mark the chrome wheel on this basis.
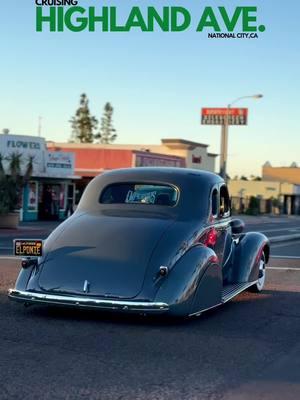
(258, 287)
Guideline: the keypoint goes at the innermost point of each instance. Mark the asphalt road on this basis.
(247, 349)
(286, 249)
(276, 226)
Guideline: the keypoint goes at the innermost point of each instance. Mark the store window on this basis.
(32, 201)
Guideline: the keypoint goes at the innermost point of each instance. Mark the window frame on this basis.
(216, 214)
(228, 212)
(170, 185)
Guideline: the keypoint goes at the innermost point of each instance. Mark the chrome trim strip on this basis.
(198, 313)
(229, 255)
(235, 293)
(87, 301)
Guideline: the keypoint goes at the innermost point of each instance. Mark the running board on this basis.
(230, 291)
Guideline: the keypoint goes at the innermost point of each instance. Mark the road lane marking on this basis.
(285, 244)
(280, 229)
(285, 268)
(286, 257)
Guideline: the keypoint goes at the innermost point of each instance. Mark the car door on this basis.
(221, 223)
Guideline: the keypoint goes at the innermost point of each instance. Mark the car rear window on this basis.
(139, 193)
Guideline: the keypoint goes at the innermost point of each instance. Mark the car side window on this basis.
(224, 208)
(214, 203)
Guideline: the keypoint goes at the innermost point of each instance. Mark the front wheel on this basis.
(259, 285)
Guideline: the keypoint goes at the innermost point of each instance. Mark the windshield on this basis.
(139, 193)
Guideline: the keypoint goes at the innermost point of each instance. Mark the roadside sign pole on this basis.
(224, 146)
(225, 117)
(222, 152)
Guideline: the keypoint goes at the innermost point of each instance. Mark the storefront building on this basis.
(50, 193)
(171, 152)
(94, 159)
(281, 174)
(290, 175)
(273, 196)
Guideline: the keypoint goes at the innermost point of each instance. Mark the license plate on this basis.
(28, 247)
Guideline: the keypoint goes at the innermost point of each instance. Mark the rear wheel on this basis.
(259, 285)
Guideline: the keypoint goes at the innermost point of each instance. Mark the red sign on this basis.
(217, 116)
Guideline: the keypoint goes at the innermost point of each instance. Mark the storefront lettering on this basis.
(19, 144)
(59, 165)
(145, 161)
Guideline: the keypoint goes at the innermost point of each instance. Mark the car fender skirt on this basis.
(88, 302)
(182, 282)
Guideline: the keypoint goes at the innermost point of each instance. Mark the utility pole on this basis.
(224, 135)
(40, 126)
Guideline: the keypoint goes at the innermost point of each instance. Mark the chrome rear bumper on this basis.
(88, 302)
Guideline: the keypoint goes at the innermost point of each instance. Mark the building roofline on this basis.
(185, 143)
(212, 155)
(151, 153)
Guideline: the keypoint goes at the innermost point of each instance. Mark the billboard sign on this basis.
(217, 116)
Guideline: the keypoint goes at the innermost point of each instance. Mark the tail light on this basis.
(209, 238)
(28, 262)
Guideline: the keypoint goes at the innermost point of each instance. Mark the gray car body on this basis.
(108, 256)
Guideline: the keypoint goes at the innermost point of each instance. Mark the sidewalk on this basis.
(40, 228)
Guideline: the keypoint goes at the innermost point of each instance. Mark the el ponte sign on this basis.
(69, 15)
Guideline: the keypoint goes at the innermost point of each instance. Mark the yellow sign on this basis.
(28, 247)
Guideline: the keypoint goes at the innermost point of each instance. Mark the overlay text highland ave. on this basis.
(146, 19)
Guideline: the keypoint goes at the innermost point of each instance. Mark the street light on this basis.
(224, 134)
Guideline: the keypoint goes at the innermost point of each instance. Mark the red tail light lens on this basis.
(209, 238)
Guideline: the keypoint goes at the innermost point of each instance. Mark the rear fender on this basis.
(180, 285)
(209, 291)
(23, 278)
(247, 253)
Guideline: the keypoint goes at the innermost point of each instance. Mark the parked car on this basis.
(147, 240)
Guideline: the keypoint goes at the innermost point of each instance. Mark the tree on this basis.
(83, 123)
(255, 178)
(107, 133)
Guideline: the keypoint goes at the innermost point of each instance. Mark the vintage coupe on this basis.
(147, 240)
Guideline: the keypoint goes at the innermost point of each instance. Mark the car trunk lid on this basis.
(102, 256)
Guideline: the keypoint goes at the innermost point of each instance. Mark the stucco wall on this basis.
(265, 189)
(283, 174)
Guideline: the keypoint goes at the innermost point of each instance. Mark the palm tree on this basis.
(12, 181)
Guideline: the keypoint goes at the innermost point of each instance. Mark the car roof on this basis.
(194, 190)
(167, 174)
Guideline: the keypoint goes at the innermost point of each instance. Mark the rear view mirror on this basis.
(237, 226)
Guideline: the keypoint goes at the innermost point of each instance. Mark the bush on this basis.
(253, 207)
